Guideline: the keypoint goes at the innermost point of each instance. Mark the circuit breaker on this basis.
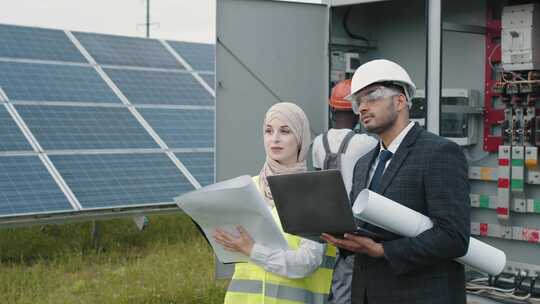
(342, 65)
(520, 37)
(459, 114)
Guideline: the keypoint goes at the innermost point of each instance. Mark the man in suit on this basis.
(421, 171)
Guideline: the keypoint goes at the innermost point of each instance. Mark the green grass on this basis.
(169, 262)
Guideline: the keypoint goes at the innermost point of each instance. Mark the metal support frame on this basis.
(433, 66)
(463, 28)
(83, 216)
(492, 117)
(96, 235)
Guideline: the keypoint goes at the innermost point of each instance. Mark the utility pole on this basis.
(147, 18)
(147, 24)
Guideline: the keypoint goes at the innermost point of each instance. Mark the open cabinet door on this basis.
(266, 51)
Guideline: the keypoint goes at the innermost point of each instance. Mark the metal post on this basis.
(147, 18)
(433, 69)
(96, 235)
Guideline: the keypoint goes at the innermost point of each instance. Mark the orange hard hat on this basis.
(337, 100)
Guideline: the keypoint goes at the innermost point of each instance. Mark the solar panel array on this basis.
(100, 122)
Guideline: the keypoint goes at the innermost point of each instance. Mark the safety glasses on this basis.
(374, 95)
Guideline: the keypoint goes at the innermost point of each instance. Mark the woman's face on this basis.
(280, 143)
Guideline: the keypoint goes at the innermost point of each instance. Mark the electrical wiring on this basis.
(476, 286)
(348, 31)
(485, 287)
(471, 160)
(479, 280)
(490, 56)
(501, 295)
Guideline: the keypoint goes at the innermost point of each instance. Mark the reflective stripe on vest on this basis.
(277, 291)
(328, 261)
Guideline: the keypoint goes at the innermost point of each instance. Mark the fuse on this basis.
(483, 201)
(533, 205)
(503, 185)
(530, 235)
(518, 173)
(484, 229)
(475, 228)
(483, 173)
(505, 232)
(531, 158)
(475, 200)
(494, 230)
(520, 205)
(516, 233)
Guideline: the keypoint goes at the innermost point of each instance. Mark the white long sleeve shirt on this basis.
(359, 145)
(293, 264)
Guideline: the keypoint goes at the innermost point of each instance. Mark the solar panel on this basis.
(200, 56)
(182, 128)
(11, 137)
(114, 180)
(209, 79)
(130, 51)
(106, 157)
(37, 43)
(154, 87)
(26, 187)
(68, 127)
(51, 82)
(200, 165)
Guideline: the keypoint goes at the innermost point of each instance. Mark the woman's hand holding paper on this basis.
(242, 243)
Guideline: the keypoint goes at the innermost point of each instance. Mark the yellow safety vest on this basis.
(251, 284)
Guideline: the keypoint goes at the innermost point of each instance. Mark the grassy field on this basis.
(169, 262)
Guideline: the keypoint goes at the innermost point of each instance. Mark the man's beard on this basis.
(386, 125)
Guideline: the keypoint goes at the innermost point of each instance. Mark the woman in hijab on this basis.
(303, 273)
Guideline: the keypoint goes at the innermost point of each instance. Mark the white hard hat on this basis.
(380, 70)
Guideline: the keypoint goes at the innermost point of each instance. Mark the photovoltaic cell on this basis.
(130, 51)
(101, 180)
(166, 88)
(27, 187)
(11, 137)
(200, 164)
(68, 127)
(200, 56)
(37, 43)
(50, 82)
(209, 79)
(182, 128)
(109, 180)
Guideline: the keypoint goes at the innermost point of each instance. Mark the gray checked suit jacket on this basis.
(428, 173)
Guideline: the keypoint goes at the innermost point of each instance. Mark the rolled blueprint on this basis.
(394, 217)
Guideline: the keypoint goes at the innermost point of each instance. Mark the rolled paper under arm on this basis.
(380, 211)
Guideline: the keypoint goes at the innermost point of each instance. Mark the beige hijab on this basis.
(296, 119)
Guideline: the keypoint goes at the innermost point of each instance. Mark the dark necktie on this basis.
(384, 156)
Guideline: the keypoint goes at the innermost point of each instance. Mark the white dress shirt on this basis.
(393, 147)
(293, 264)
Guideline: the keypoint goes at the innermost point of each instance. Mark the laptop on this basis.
(310, 203)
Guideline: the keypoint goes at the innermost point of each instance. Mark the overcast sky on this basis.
(185, 20)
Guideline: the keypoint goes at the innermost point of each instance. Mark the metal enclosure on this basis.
(267, 52)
